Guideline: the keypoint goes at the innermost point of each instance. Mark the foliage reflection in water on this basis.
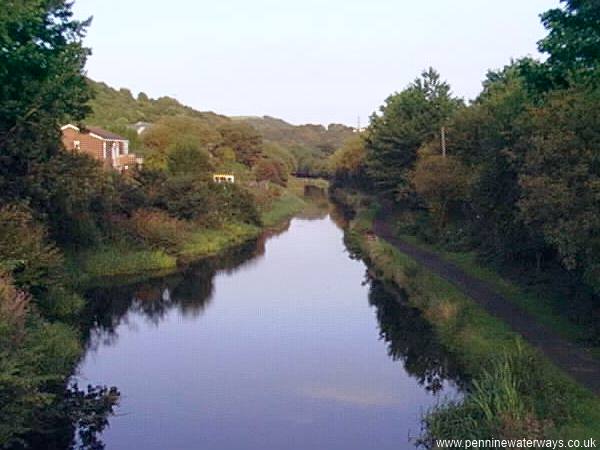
(274, 346)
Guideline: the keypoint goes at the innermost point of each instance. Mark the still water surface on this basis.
(284, 346)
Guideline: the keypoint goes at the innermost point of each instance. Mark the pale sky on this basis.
(308, 61)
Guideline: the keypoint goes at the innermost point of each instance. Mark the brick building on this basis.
(109, 148)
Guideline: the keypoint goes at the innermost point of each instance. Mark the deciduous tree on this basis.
(41, 84)
(245, 141)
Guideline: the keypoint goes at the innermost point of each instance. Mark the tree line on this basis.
(519, 180)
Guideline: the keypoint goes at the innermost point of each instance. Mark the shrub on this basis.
(206, 203)
(34, 264)
(61, 303)
(14, 306)
(189, 199)
(157, 229)
(73, 196)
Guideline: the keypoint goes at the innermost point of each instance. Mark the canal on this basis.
(284, 345)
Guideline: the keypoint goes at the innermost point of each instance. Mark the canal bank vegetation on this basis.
(513, 391)
(154, 243)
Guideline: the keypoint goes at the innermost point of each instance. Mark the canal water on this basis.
(284, 345)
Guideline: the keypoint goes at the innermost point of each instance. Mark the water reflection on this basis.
(189, 292)
(274, 346)
(411, 339)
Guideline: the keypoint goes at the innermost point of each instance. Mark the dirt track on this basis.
(574, 360)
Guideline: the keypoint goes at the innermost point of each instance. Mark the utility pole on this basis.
(358, 124)
(443, 138)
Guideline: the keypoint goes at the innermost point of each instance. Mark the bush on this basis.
(157, 229)
(62, 304)
(73, 195)
(35, 359)
(14, 306)
(206, 203)
(35, 264)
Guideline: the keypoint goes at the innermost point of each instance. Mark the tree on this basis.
(187, 157)
(443, 182)
(488, 138)
(573, 42)
(170, 130)
(572, 46)
(271, 170)
(348, 162)
(41, 84)
(275, 151)
(406, 121)
(310, 161)
(561, 179)
(245, 141)
(275, 165)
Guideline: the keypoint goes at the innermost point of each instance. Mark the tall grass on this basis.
(111, 260)
(146, 257)
(494, 408)
(207, 242)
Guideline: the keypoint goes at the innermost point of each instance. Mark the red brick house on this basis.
(109, 148)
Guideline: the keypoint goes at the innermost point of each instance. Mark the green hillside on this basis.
(310, 144)
(327, 139)
(118, 110)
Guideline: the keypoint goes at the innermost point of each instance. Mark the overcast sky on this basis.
(308, 61)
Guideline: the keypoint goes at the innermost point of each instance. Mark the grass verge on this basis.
(543, 305)
(117, 260)
(209, 242)
(283, 208)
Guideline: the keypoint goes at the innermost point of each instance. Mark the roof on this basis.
(97, 132)
(105, 134)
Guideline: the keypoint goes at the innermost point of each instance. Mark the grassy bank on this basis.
(283, 208)
(120, 261)
(515, 391)
(292, 201)
(114, 262)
